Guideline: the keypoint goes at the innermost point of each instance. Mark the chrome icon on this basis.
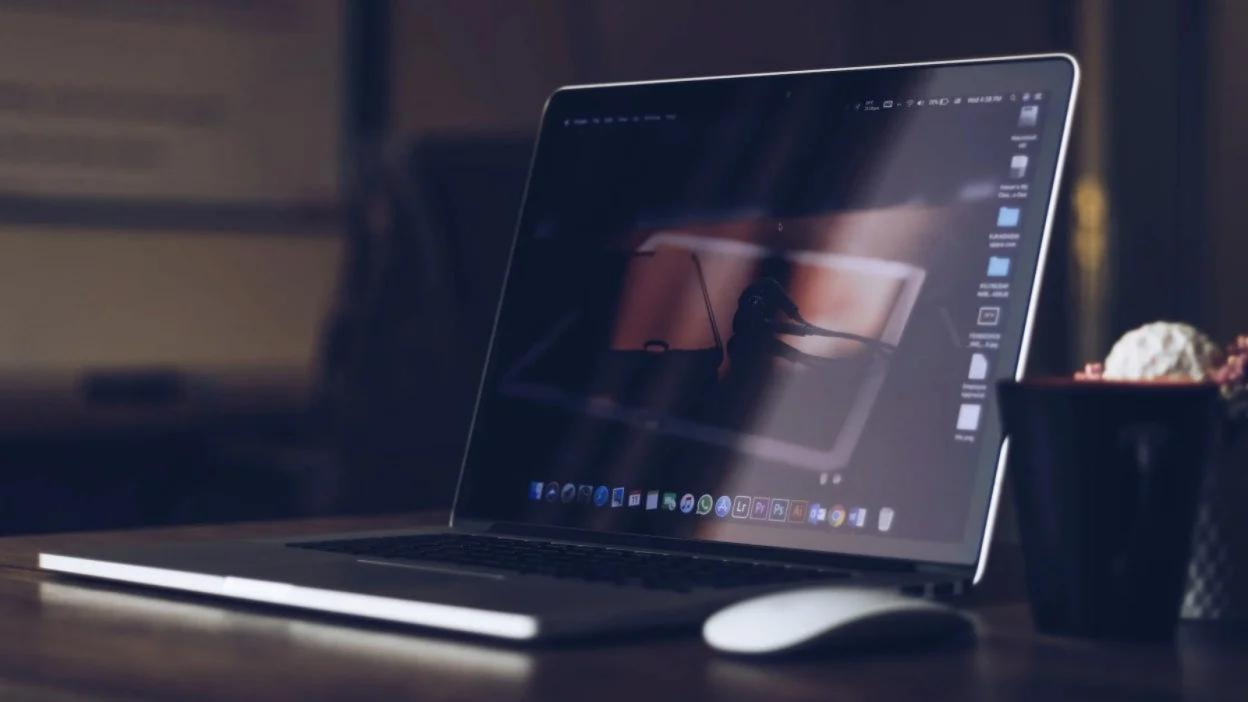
(836, 515)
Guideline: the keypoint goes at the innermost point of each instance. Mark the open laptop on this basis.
(747, 340)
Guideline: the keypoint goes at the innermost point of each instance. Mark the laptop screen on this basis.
(770, 310)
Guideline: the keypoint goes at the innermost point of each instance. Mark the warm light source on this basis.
(1091, 234)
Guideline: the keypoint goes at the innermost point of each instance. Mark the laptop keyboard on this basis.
(675, 573)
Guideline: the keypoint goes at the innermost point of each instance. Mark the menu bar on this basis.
(877, 105)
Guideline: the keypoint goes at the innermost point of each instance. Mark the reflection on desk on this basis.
(67, 639)
(426, 658)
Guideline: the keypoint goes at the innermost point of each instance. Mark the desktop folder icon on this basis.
(998, 267)
(1007, 217)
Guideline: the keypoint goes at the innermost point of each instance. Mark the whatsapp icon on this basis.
(705, 504)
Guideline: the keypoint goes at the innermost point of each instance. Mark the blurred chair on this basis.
(110, 448)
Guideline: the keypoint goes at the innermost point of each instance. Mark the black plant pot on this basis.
(1108, 478)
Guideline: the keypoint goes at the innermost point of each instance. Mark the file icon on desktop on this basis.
(979, 367)
(968, 417)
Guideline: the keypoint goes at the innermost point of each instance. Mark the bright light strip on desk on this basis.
(474, 621)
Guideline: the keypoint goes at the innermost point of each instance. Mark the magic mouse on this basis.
(794, 620)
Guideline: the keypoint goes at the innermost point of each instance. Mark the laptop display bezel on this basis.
(973, 571)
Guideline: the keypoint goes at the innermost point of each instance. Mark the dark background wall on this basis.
(491, 63)
(1155, 146)
(381, 334)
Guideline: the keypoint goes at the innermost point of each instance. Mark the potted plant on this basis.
(1167, 352)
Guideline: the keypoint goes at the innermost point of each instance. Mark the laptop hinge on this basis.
(697, 548)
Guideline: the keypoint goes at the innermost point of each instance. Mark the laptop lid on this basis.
(768, 310)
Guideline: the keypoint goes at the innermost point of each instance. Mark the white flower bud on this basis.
(1162, 351)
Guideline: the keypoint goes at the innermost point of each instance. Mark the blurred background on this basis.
(250, 251)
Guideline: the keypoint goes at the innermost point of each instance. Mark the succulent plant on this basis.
(1176, 352)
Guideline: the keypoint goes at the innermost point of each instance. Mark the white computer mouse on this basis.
(836, 616)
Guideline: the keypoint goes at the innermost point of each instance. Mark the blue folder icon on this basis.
(1007, 217)
(998, 267)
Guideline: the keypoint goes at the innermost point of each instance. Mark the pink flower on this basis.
(1091, 371)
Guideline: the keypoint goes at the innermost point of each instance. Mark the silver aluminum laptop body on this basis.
(482, 600)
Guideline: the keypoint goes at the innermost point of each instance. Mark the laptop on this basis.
(747, 340)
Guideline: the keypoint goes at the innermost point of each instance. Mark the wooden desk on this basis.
(70, 639)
